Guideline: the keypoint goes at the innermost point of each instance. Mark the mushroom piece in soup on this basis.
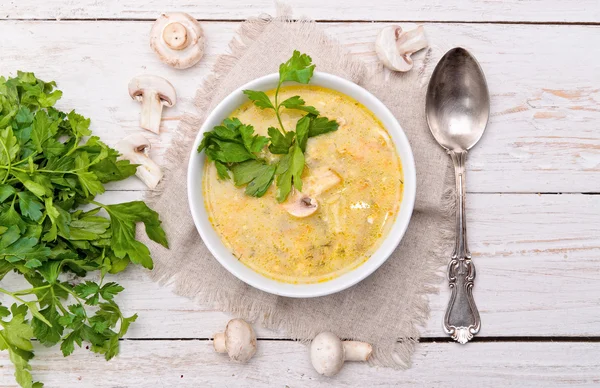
(351, 194)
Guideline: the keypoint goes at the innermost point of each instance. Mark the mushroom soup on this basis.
(351, 194)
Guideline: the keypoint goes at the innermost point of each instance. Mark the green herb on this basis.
(280, 143)
(321, 125)
(288, 172)
(256, 174)
(232, 142)
(47, 171)
(232, 146)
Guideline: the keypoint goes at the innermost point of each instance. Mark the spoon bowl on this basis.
(458, 102)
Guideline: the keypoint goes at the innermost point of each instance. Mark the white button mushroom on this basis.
(178, 40)
(303, 204)
(153, 92)
(238, 340)
(328, 353)
(300, 205)
(135, 148)
(394, 46)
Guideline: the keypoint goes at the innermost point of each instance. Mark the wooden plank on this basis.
(431, 10)
(537, 260)
(286, 364)
(542, 135)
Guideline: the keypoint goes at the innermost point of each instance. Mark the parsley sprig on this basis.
(47, 171)
(233, 146)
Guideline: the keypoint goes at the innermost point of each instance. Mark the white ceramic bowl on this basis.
(247, 275)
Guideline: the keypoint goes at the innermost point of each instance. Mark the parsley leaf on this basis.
(29, 205)
(24, 249)
(68, 344)
(257, 175)
(43, 129)
(15, 337)
(296, 102)
(222, 170)
(260, 99)
(321, 125)
(280, 143)
(289, 172)
(229, 152)
(298, 68)
(109, 290)
(48, 335)
(86, 289)
(6, 191)
(302, 129)
(8, 146)
(123, 218)
(110, 169)
(79, 124)
(252, 143)
(232, 142)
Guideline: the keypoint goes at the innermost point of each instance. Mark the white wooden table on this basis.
(533, 210)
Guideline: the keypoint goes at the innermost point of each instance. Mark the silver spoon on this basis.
(458, 108)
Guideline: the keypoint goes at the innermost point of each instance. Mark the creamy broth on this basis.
(353, 216)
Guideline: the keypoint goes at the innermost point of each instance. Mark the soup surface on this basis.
(355, 210)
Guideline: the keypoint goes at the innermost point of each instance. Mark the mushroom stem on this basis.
(219, 343)
(175, 36)
(148, 171)
(151, 112)
(153, 92)
(357, 351)
(135, 148)
(411, 41)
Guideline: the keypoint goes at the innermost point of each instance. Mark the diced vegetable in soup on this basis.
(351, 193)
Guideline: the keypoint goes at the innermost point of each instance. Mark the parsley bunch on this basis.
(47, 171)
(233, 146)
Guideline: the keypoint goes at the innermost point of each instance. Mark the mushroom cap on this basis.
(394, 46)
(142, 84)
(178, 40)
(386, 49)
(135, 142)
(300, 205)
(240, 340)
(327, 354)
(303, 204)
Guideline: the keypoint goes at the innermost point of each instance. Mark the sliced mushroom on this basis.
(153, 92)
(328, 353)
(135, 148)
(394, 46)
(303, 203)
(238, 340)
(300, 205)
(178, 40)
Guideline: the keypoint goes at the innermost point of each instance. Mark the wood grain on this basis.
(537, 260)
(542, 135)
(286, 364)
(430, 10)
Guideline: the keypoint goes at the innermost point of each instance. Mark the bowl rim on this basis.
(302, 290)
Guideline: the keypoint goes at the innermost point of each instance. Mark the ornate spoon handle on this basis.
(462, 320)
